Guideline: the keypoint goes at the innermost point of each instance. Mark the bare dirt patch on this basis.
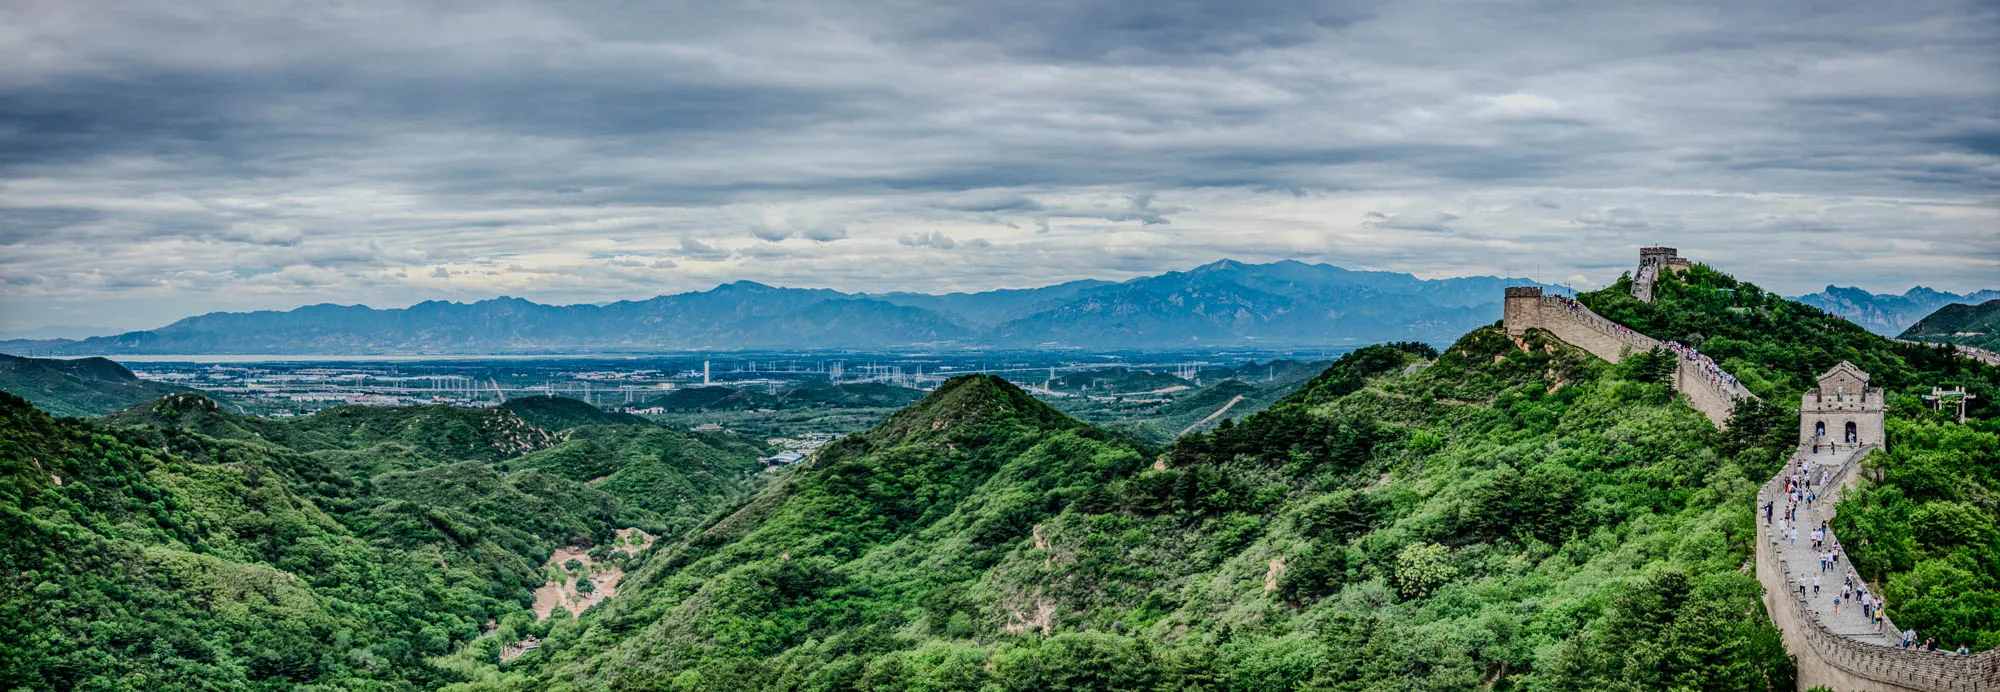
(564, 588)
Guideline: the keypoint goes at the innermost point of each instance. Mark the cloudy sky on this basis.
(162, 159)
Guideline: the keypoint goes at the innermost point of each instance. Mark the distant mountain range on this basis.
(1977, 326)
(1889, 314)
(1224, 304)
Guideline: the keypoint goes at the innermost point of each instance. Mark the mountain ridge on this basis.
(1977, 326)
(1224, 303)
(1888, 314)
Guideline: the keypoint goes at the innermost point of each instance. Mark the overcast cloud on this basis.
(164, 159)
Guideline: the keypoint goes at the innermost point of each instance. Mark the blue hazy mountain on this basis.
(1889, 314)
(1287, 303)
(993, 307)
(1227, 303)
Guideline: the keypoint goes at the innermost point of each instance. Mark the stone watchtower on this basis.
(1523, 309)
(1657, 256)
(1843, 410)
(1653, 263)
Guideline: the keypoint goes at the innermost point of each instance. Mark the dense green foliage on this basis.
(717, 398)
(1504, 516)
(1969, 325)
(556, 414)
(850, 394)
(1929, 516)
(78, 387)
(678, 476)
(185, 547)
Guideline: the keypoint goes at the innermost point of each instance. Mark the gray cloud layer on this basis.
(183, 157)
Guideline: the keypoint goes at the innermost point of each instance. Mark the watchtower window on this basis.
(1820, 428)
(1852, 437)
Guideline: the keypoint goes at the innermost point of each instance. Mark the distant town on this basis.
(281, 388)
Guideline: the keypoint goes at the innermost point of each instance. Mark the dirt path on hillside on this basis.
(1218, 414)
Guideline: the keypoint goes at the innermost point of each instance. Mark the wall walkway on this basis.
(1842, 651)
(1642, 282)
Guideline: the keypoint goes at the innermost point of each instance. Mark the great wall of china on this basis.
(1832, 650)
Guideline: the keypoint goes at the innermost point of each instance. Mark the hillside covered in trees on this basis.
(1977, 326)
(1518, 514)
(179, 546)
(77, 387)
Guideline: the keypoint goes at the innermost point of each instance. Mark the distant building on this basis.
(708, 427)
(784, 459)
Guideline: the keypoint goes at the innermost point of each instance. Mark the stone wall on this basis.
(1526, 308)
(1573, 323)
(1705, 395)
(1522, 309)
(1868, 426)
(1642, 282)
(1842, 663)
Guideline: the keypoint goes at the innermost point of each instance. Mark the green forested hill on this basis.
(1115, 381)
(1968, 325)
(79, 387)
(678, 476)
(179, 546)
(851, 394)
(434, 432)
(716, 398)
(556, 414)
(1528, 518)
(1258, 385)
